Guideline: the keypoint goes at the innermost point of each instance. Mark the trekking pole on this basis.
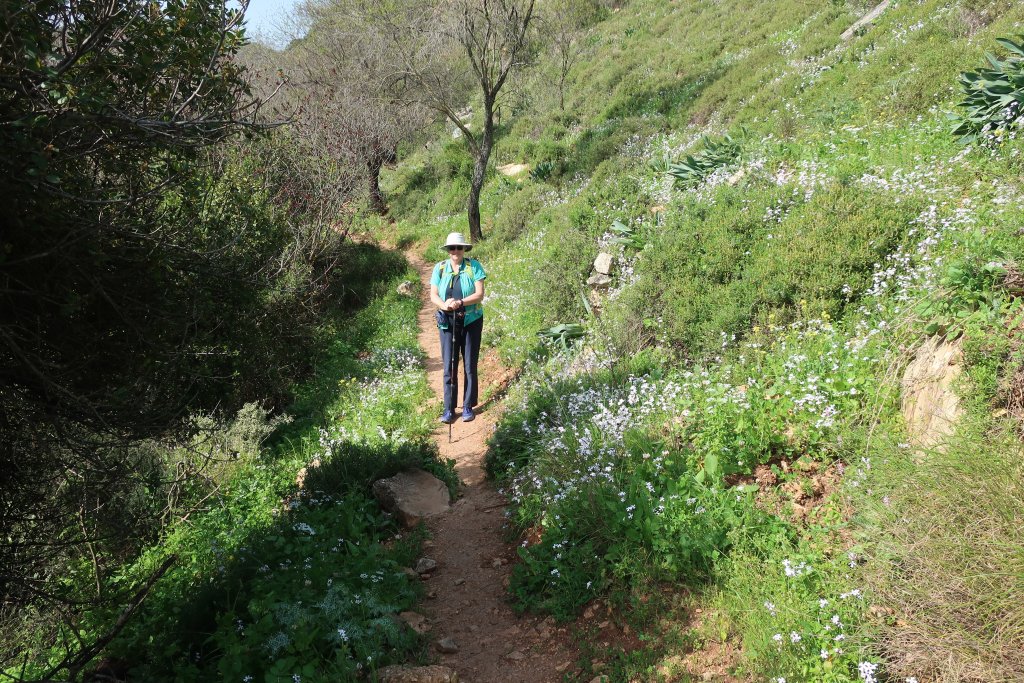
(454, 374)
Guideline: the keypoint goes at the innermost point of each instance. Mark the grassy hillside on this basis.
(730, 432)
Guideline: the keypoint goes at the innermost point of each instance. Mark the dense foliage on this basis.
(163, 266)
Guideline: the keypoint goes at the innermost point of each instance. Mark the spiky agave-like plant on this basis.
(993, 97)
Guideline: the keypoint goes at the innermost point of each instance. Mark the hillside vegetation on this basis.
(790, 217)
(718, 475)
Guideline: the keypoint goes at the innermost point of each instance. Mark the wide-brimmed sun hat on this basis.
(456, 239)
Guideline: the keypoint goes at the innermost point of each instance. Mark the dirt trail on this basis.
(467, 594)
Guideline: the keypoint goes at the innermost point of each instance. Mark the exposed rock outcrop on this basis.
(511, 170)
(865, 20)
(930, 406)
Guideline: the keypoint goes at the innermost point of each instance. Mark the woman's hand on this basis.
(451, 304)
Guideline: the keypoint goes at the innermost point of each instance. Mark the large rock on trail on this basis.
(412, 495)
(417, 674)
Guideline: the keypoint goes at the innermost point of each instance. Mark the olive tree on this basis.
(338, 111)
(437, 52)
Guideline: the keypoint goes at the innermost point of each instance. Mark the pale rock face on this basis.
(599, 280)
(930, 406)
(513, 169)
(603, 263)
(406, 289)
(412, 495)
(865, 20)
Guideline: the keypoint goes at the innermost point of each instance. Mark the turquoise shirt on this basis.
(469, 273)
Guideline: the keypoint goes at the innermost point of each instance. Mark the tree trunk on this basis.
(377, 203)
(483, 155)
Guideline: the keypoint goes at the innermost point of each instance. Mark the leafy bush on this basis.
(993, 97)
(727, 268)
(262, 581)
(971, 298)
(518, 212)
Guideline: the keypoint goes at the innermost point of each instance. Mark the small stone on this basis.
(425, 565)
(515, 656)
(431, 594)
(603, 263)
(599, 679)
(459, 582)
(708, 676)
(446, 646)
(563, 666)
(599, 280)
(497, 562)
(416, 621)
(406, 289)
(603, 625)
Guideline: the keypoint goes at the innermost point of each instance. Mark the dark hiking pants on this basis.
(467, 344)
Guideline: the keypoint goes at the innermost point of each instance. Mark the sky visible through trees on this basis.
(264, 16)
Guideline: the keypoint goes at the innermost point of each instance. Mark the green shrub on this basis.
(724, 268)
(516, 214)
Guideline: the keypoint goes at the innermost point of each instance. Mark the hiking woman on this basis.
(457, 290)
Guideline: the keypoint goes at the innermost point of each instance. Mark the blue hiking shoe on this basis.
(447, 417)
(468, 415)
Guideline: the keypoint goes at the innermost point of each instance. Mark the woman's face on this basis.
(456, 253)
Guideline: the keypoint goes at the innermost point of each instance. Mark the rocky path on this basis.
(466, 595)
